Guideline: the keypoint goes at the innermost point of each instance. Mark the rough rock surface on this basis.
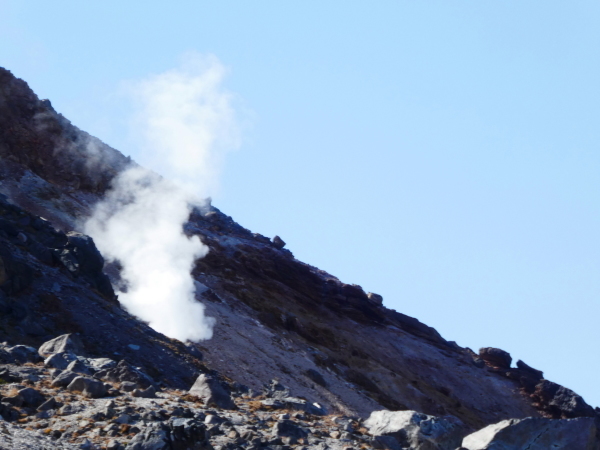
(415, 430)
(535, 434)
(62, 344)
(209, 389)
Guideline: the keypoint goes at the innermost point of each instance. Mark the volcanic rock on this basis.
(535, 434)
(495, 357)
(211, 392)
(64, 343)
(415, 430)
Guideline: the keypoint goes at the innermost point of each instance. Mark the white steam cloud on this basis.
(185, 121)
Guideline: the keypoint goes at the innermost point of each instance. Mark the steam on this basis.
(185, 122)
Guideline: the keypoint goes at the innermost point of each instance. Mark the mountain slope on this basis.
(276, 316)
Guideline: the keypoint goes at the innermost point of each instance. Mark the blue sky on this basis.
(442, 154)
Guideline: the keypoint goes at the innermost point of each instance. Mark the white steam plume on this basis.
(185, 121)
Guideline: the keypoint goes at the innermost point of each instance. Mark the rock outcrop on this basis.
(535, 434)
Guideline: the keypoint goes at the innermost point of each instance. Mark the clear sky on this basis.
(443, 154)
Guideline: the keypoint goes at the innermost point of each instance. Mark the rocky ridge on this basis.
(276, 317)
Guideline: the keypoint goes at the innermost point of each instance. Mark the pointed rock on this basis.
(210, 391)
(65, 343)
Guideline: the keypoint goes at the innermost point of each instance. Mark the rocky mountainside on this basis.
(324, 341)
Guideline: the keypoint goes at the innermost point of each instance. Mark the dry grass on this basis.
(191, 398)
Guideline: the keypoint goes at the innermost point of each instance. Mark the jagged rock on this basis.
(288, 431)
(32, 397)
(151, 439)
(65, 343)
(211, 392)
(276, 390)
(101, 363)
(125, 372)
(13, 400)
(278, 242)
(51, 403)
(7, 412)
(415, 430)
(63, 379)
(495, 357)
(560, 401)
(60, 360)
(534, 434)
(86, 260)
(187, 433)
(533, 373)
(80, 367)
(88, 387)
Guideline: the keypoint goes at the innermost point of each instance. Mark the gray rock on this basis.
(48, 405)
(534, 434)
(145, 393)
(32, 397)
(13, 400)
(23, 353)
(60, 360)
(123, 371)
(560, 401)
(128, 386)
(88, 387)
(278, 242)
(150, 439)
(375, 298)
(101, 363)
(416, 430)
(295, 404)
(80, 367)
(64, 379)
(210, 391)
(288, 431)
(188, 433)
(65, 343)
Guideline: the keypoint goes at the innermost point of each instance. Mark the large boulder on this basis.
(60, 360)
(32, 397)
(83, 258)
(495, 357)
(23, 354)
(211, 392)
(88, 387)
(416, 430)
(561, 402)
(288, 431)
(65, 343)
(535, 434)
(151, 438)
(64, 379)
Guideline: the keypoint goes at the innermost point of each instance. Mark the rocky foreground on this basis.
(54, 397)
